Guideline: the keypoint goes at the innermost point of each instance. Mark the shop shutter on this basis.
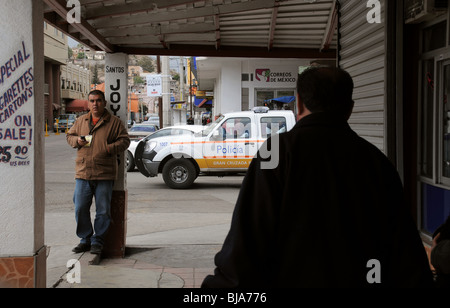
(362, 54)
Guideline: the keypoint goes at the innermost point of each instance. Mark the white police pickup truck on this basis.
(225, 147)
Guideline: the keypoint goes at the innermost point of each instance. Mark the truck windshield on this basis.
(211, 127)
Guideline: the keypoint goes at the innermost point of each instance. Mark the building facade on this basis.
(55, 55)
(399, 57)
(239, 84)
(75, 87)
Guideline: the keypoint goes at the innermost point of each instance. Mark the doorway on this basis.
(263, 97)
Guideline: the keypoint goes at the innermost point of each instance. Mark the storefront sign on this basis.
(205, 94)
(267, 75)
(116, 90)
(16, 107)
(20, 177)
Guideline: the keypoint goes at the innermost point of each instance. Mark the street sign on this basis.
(154, 85)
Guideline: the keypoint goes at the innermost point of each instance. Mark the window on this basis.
(264, 97)
(434, 155)
(245, 99)
(434, 37)
(446, 123)
(434, 126)
(272, 125)
(236, 128)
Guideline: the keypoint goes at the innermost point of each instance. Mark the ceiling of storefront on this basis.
(216, 28)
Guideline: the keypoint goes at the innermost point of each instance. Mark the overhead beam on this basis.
(273, 23)
(58, 22)
(59, 6)
(157, 17)
(331, 27)
(158, 30)
(132, 8)
(217, 29)
(230, 51)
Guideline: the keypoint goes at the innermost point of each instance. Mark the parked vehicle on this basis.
(177, 130)
(141, 130)
(153, 120)
(225, 147)
(64, 122)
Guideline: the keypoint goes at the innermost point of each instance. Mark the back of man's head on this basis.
(326, 89)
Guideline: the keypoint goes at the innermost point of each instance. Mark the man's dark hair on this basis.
(326, 89)
(98, 92)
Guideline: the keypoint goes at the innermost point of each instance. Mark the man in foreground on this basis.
(330, 214)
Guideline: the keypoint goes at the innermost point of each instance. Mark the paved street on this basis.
(187, 226)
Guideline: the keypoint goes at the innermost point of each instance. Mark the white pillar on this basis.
(116, 92)
(231, 88)
(22, 209)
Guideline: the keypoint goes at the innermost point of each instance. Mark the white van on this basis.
(225, 147)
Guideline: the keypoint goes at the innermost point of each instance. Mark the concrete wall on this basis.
(22, 250)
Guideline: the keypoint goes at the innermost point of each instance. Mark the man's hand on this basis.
(81, 142)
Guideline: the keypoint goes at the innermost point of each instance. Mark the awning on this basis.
(202, 102)
(77, 105)
(56, 107)
(284, 99)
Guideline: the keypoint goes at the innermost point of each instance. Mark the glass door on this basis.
(264, 97)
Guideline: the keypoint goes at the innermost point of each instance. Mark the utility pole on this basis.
(166, 91)
(181, 67)
(160, 100)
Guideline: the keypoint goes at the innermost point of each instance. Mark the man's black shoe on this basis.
(96, 249)
(82, 248)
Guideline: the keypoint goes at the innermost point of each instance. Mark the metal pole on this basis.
(160, 104)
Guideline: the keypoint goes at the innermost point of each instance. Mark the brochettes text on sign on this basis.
(22, 180)
(16, 90)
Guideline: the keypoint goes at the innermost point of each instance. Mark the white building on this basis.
(243, 83)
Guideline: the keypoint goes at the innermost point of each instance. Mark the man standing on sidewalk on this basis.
(99, 137)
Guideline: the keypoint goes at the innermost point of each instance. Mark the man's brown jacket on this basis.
(99, 160)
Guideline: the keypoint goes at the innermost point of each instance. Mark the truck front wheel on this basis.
(179, 173)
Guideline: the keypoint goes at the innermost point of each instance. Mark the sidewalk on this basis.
(158, 267)
(172, 236)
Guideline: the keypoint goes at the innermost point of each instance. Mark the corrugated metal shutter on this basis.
(362, 54)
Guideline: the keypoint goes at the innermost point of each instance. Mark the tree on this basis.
(95, 79)
(175, 76)
(146, 63)
(138, 80)
(70, 52)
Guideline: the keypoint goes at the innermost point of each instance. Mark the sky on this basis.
(72, 42)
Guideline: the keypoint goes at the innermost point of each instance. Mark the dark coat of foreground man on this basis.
(333, 203)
